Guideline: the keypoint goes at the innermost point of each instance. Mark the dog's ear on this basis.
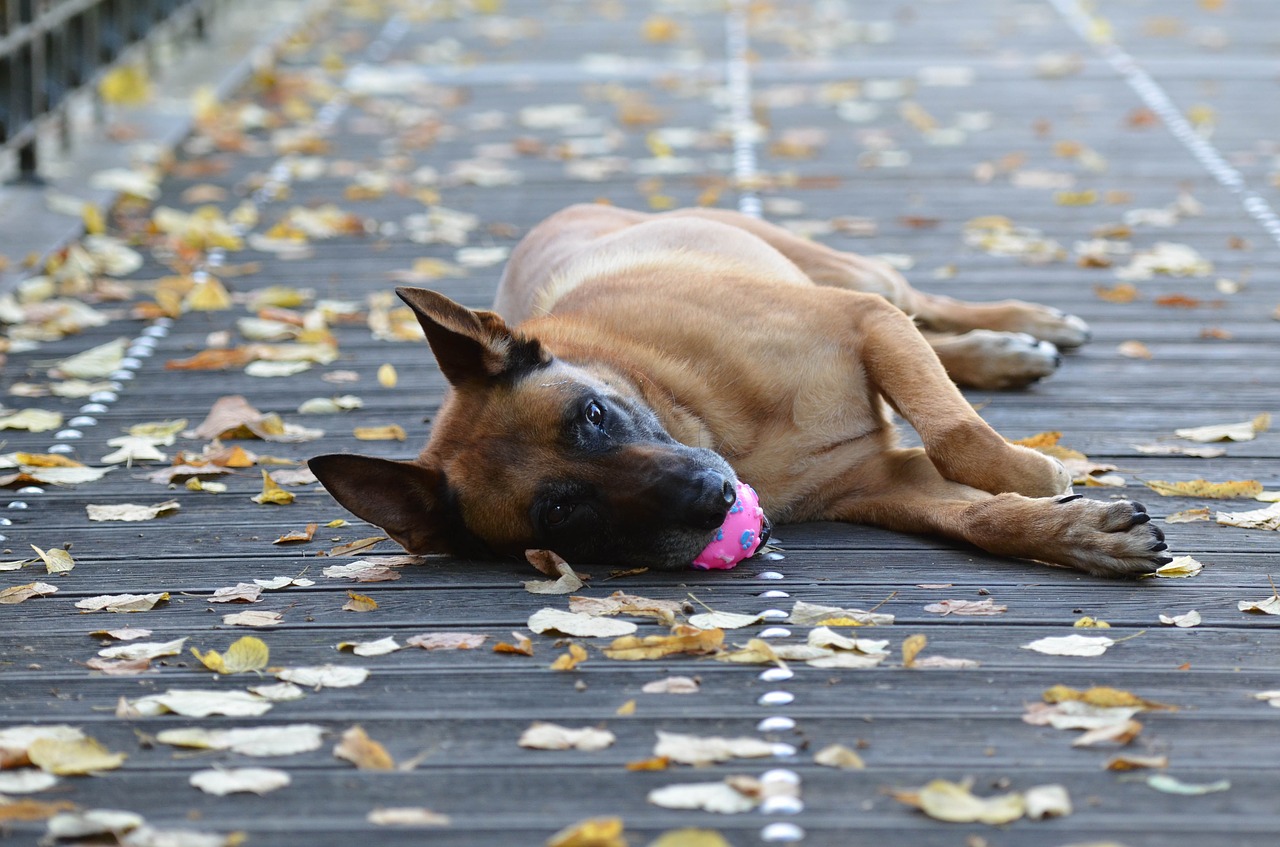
(404, 499)
(471, 346)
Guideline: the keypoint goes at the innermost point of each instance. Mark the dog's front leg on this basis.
(904, 491)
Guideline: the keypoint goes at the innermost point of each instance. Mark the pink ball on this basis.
(738, 537)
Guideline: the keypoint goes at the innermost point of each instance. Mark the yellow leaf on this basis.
(1204, 488)
(660, 29)
(272, 493)
(55, 561)
(690, 838)
(32, 420)
(1091, 623)
(362, 751)
(950, 801)
(523, 645)
(568, 661)
(73, 758)
(1103, 696)
(626, 709)
(245, 654)
(209, 295)
(391, 432)
(91, 215)
(45, 460)
(593, 832)
(359, 603)
(840, 621)
(684, 639)
(1040, 439)
(387, 376)
(1076, 198)
(911, 648)
(126, 85)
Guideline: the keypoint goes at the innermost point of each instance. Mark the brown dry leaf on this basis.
(1205, 488)
(1120, 732)
(549, 563)
(523, 645)
(119, 667)
(55, 561)
(73, 757)
(621, 603)
(19, 593)
(244, 655)
(911, 648)
(446, 641)
(839, 756)
(592, 832)
(362, 751)
(353, 548)
(122, 602)
(1134, 350)
(683, 639)
(966, 607)
(570, 660)
(359, 603)
(654, 763)
(33, 810)
(298, 535)
(1126, 762)
(757, 651)
(550, 736)
(814, 614)
(1189, 515)
(1124, 292)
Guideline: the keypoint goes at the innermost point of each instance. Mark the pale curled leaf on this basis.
(549, 736)
(719, 797)
(1071, 645)
(223, 781)
(576, 624)
(700, 750)
(131, 511)
(362, 751)
(1186, 619)
(966, 607)
(324, 676)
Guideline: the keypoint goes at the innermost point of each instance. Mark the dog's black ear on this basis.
(471, 346)
(404, 499)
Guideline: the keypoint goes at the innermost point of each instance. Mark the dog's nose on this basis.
(709, 498)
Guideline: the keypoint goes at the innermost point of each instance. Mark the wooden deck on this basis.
(842, 141)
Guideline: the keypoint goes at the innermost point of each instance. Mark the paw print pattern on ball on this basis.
(738, 537)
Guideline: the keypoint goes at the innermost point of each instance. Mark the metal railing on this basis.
(49, 49)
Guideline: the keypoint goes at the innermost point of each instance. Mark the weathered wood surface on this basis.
(463, 711)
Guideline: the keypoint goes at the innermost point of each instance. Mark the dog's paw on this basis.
(1109, 539)
(1064, 331)
(987, 359)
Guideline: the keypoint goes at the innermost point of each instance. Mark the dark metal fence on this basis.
(51, 48)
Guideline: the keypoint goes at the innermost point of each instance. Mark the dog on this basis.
(636, 366)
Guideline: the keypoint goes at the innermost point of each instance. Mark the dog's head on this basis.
(529, 451)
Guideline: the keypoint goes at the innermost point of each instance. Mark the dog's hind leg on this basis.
(902, 490)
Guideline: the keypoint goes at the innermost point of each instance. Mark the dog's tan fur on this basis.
(774, 352)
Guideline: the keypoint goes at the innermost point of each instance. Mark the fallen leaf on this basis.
(911, 647)
(621, 603)
(699, 750)
(362, 751)
(1102, 696)
(19, 593)
(757, 651)
(272, 493)
(298, 535)
(32, 420)
(359, 603)
(362, 571)
(1172, 785)
(380, 647)
(1243, 431)
(1071, 645)
(1087, 622)
(672, 685)
(131, 511)
(241, 592)
(577, 624)
(1269, 606)
(324, 676)
(55, 561)
(73, 757)
(1180, 450)
(966, 607)
(523, 645)
(1189, 516)
(387, 376)
(566, 582)
(719, 797)
(570, 660)
(811, 614)
(25, 781)
(1134, 350)
(1186, 619)
(389, 432)
(122, 602)
(952, 802)
(112, 823)
(1125, 762)
(549, 736)
(1120, 733)
(245, 654)
(32, 810)
(406, 816)
(1207, 489)
(722, 620)
(144, 650)
(839, 756)
(94, 363)
(1046, 801)
(1267, 518)
(681, 640)
(128, 633)
(253, 618)
(258, 741)
(223, 781)
(592, 832)
(1180, 568)
(690, 838)
(446, 641)
(354, 548)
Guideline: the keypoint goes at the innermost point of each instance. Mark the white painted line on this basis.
(1159, 102)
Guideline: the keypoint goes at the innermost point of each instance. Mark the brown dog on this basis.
(658, 358)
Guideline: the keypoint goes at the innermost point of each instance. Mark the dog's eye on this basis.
(594, 413)
(558, 513)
